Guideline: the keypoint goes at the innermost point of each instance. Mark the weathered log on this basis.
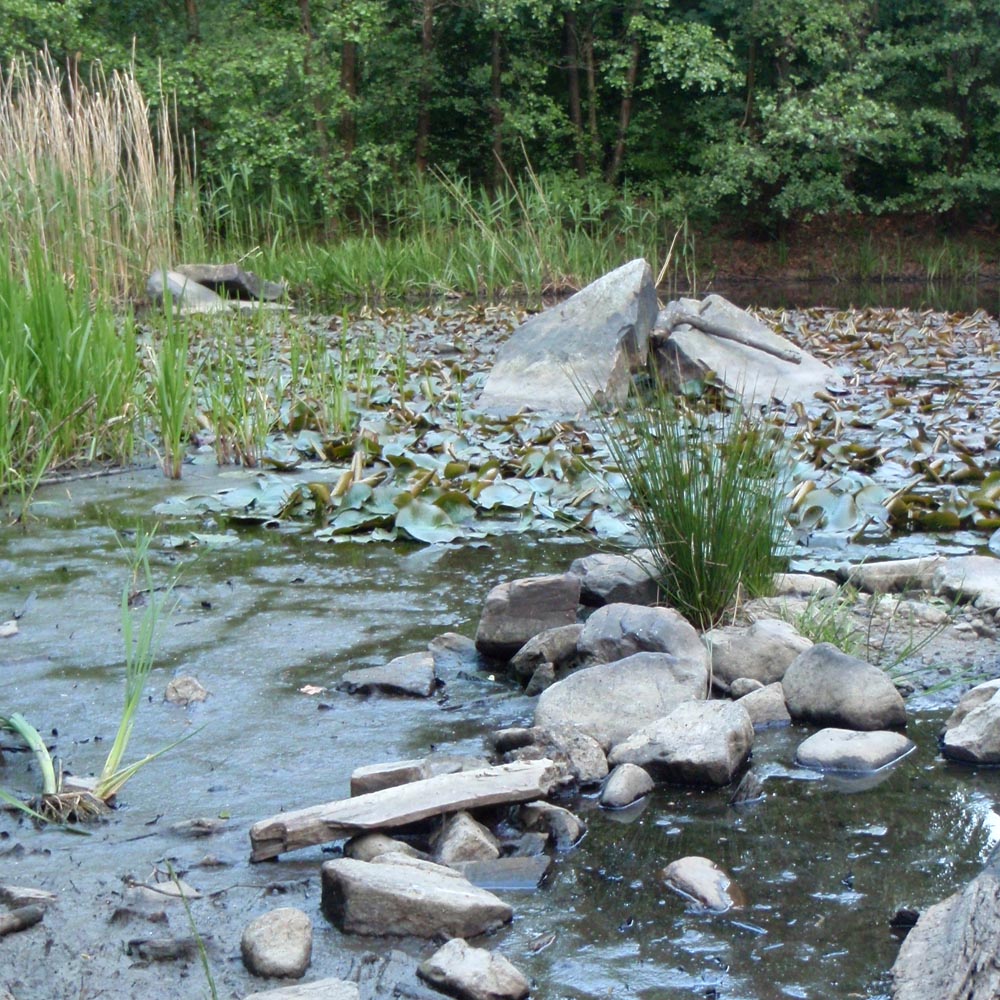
(951, 954)
(726, 333)
(20, 919)
(401, 805)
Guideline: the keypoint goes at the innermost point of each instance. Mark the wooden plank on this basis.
(520, 781)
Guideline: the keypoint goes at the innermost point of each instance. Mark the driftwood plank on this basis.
(403, 804)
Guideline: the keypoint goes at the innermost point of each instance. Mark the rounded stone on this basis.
(278, 943)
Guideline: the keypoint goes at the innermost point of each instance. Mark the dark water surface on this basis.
(824, 863)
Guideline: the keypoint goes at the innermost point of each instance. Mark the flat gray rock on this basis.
(610, 701)
(412, 674)
(375, 777)
(759, 370)
(891, 575)
(510, 874)
(582, 349)
(970, 578)
(278, 943)
(698, 743)
(826, 686)
(395, 807)
(849, 750)
(473, 973)
(419, 899)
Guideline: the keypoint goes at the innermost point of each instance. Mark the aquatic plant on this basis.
(706, 491)
(69, 376)
(172, 390)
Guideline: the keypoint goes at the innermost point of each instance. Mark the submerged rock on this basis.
(704, 883)
(412, 674)
(185, 691)
(583, 349)
(278, 943)
(473, 973)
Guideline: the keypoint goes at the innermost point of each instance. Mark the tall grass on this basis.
(706, 489)
(85, 175)
(69, 375)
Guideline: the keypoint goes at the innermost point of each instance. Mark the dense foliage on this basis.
(760, 111)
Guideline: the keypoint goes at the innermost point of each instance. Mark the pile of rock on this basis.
(629, 695)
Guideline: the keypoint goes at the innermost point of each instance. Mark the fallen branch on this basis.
(725, 333)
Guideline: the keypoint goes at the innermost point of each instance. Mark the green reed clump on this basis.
(69, 375)
(706, 489)
(172, 391)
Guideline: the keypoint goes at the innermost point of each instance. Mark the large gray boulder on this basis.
(826, 686)
(698, 743)
(610, 701)
(890, 575)
(473, 973)
(619, 630)
(951, 953)
(234, 281)
(516, 611)
(763, 651)
(581, 350)
(749, 358)
(405, 896)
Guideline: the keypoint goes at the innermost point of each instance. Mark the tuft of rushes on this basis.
(706, 489)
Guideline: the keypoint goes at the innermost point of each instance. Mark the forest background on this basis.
(742, 119)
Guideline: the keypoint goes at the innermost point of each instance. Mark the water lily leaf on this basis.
(356, 497)
(505, 493)
(352, 520)
(215, 541)
(456, 505)
(426, 522)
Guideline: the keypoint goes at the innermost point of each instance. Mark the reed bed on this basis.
(85, 175)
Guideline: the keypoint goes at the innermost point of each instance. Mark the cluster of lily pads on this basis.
(910, 447)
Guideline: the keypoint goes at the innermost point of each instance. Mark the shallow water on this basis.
(824, 863)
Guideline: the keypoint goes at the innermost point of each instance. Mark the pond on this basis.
(824, 864)
(269, 618)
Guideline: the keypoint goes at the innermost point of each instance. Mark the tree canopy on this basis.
(758, 110)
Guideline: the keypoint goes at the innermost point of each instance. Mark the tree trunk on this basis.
(193, 23)
(588, 61)
(348, 126)
(426, 84)
(573, 84)
(625, 112)
(496, 107)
